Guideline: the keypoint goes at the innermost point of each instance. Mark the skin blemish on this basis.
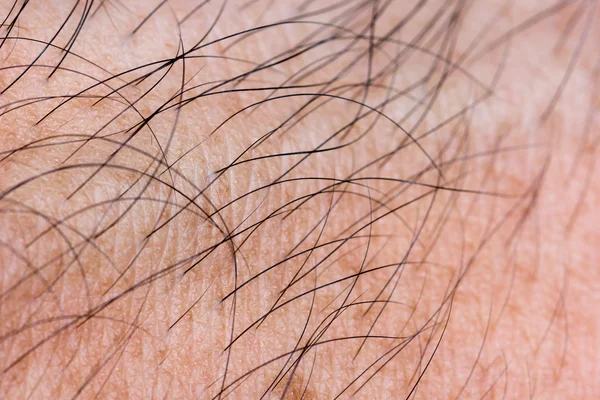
(298, 200)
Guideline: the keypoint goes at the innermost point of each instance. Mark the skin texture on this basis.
(378, 199)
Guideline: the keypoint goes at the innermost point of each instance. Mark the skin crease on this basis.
(483, 220)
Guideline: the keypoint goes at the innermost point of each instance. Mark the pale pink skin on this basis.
(502, 284)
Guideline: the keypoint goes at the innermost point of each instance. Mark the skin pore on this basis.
(376, 199)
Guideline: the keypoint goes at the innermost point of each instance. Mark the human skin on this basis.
(370, 199)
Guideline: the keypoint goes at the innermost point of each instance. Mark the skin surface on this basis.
(369, 199)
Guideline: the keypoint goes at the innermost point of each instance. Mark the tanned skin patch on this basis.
(377, 199)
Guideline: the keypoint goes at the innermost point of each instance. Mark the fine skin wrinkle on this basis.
(373, 199)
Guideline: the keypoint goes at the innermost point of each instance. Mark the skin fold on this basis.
(373, 199)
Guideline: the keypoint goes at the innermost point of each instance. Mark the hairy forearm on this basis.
(377, 199)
